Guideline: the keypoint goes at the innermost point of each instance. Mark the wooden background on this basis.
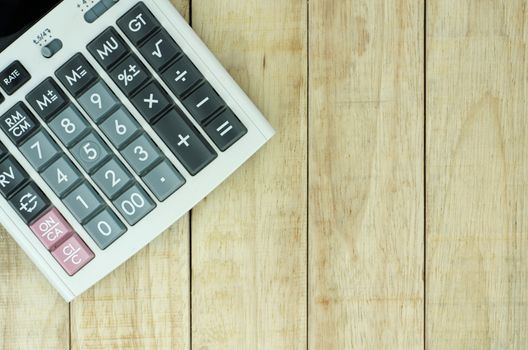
(389, 212)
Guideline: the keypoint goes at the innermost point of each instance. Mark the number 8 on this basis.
(68, 126)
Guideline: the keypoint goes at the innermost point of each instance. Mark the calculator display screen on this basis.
(16, 16)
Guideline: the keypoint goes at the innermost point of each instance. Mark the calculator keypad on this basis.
(47, 98)
(160, 49)
(114, 197)
(76, 74)
(91, 152)
(108, 48)
(12, 176)
(62, 176)
(151, 101)
(83, 202)
(69, 126)
(18, 123)
(120, 128)
(142, 154)
(138, 23)
(98, 101)
(29, 202)
(40, 150)
(51, 228)
(105, 228)
(112, 178)
(134, 204)
(73, 255)
(130, 74)
(191, 149)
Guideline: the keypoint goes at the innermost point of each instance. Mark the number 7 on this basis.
(37, 146)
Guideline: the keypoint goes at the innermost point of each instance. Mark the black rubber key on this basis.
(181, 76)
(203, 103)
(160, 50)
(47, 99)
(151, 101)
(12, 176)
(19, 123)
(225, 130)
(14, 77)
(76, 74)
(130, 75)
(108, 48)
(187, 144)
(29, 202)
(138, 23)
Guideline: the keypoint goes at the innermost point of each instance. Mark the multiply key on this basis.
(47, 99)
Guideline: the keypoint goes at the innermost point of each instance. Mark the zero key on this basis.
(13, 77)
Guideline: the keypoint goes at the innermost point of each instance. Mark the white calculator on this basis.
(115, 120)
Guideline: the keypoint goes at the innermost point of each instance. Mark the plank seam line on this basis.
(425, 176)
(307, 174)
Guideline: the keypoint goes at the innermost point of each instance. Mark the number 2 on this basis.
(111, 175)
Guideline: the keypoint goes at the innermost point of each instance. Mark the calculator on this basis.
(115, 120)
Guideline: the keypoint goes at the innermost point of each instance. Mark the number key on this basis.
(40, 150)
(141, 154)
(69, 126)
(134, 204)
(83, 202)
(120, 128)
(112, 178)
(62, 176)
(98, 101)
(105, 228)
(91, 152)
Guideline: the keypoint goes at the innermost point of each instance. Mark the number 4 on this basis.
(61, 177)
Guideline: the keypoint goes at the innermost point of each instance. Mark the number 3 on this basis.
(140, 151)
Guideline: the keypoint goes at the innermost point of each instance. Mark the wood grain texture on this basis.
(366, 225)
(144, 304)
(32, 314)
(477, 167)
(249, 236)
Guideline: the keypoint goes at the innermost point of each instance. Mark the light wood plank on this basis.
(249, 236)
(366, 226)
(145, 303)
(32, 314)
(477, 167)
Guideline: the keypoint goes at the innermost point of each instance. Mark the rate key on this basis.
(13, 77)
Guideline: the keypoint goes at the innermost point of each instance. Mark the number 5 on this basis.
(91, 152)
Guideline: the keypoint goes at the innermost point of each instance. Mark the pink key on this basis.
(73, 254)
(51, 229)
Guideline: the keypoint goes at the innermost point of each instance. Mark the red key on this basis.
(52, 229)
(73, 254)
